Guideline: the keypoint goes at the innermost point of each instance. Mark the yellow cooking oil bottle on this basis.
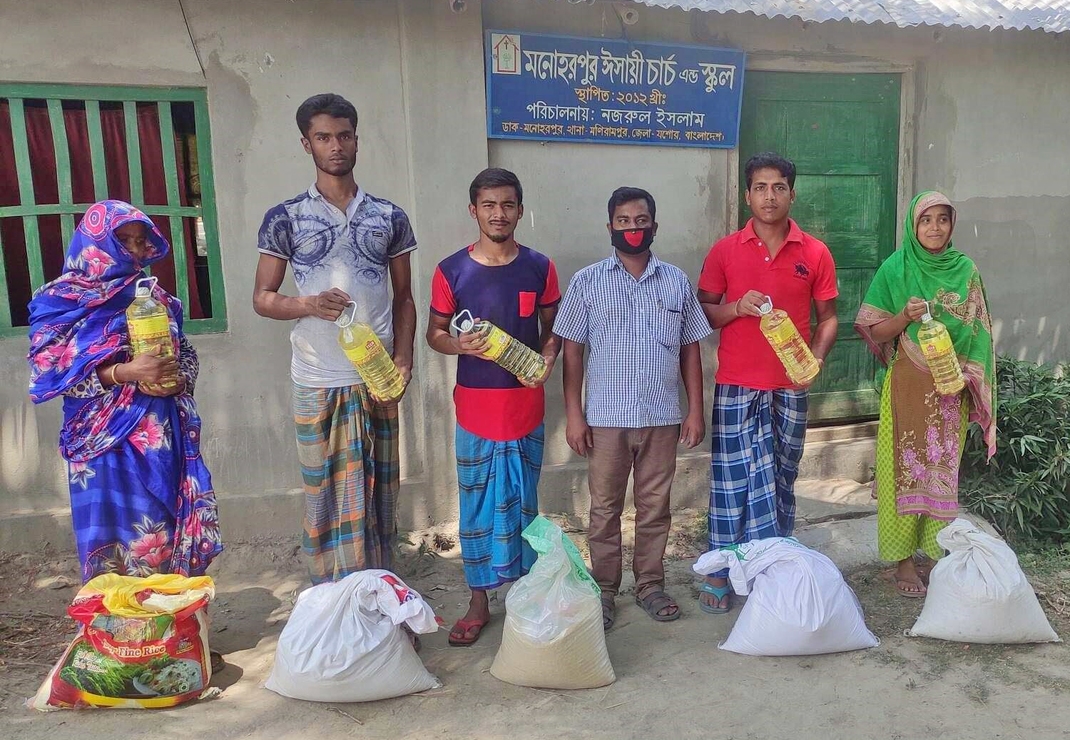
(939, 353)
(789, 345)
(149, 325)
(366, 351)
(505, 350)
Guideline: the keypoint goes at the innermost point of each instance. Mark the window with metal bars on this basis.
(63, 148)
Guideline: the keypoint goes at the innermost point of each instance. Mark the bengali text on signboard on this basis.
(560, 88)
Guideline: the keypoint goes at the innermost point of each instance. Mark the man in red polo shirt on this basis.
(759, 415)
(499, 416)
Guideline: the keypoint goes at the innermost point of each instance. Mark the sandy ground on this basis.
(672, 679)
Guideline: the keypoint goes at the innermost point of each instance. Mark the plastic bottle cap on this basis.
(926, 317)
(348, 316)
(767, 307)
(463, 321)
(143, 287)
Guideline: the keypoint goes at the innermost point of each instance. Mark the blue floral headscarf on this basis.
(78, 322)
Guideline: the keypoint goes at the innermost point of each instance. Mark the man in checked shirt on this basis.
(642, 323)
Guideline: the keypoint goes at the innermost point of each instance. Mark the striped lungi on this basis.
(348, 448)
(756, 444)
(498, 484)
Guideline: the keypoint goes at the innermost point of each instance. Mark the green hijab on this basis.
(951, 284)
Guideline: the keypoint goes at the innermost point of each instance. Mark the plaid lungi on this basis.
(499, 484)
(348, 448)
(756, 444)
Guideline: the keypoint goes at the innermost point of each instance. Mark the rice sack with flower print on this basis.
(141, 643)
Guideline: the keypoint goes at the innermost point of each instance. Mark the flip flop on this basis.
(462, 627)
(721, 592)
(910, 594)
(654, 602)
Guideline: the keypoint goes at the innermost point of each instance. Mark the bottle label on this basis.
(497, 341)
(148, 332)
(362, 353)
(937, 345)
(783, 333)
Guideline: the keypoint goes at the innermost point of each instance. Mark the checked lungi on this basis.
(348, 448)
(756, 444)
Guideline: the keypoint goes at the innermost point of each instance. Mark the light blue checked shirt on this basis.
(633, 330)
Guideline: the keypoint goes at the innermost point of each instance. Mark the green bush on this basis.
(1025, 490)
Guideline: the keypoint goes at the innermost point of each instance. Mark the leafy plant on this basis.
(1025, 490)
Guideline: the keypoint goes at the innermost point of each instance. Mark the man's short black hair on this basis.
(771, 160)
(495, 177)
(627, 195)
(330, 104)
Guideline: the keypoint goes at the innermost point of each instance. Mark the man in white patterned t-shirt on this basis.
(341, 245)
(641, 323)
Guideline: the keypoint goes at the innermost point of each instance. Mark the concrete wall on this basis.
(983, 117)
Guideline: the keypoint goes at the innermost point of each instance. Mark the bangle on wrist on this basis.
(112, 369)
(735, 308)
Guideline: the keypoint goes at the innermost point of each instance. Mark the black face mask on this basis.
(633, 241)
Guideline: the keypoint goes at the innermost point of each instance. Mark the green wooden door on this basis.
(842, 132)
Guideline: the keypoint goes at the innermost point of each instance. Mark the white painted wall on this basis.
(988, 129)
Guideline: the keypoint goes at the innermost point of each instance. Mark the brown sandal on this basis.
(654, 602)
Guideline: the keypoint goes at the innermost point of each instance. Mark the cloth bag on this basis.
(798, 602)
(978, 593)
(142, 643)
(344, 641)
(553, 636)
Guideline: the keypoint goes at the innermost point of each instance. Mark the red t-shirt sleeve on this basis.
(712, 278)
(442, 300)
(825, 285)
(551, 294)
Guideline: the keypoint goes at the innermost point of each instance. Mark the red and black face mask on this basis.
(633, 241)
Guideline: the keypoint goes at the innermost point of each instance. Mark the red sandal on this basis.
(462, 627)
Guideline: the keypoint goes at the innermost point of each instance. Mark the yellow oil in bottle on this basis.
(939, 352)
(149, 325)
(780, 331)
(373, 363)
(505, 350)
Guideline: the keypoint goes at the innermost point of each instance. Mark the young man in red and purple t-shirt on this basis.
(499, 416)
(759, 416)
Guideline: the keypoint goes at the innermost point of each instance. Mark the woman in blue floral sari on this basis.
(141, 497)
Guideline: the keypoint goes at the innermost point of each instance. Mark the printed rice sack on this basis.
(142, 643)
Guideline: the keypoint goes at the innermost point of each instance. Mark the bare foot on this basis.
(907, 581)
(923, 564)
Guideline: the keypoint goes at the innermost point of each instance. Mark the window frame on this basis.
(92, 96)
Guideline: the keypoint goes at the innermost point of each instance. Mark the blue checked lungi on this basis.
(498, 484)
(756, 444)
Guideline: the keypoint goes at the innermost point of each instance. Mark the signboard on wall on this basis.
(605, 91)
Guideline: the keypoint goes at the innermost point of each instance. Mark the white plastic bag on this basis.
(798, 602)
(553, 636)
(978, 593)
(344, 642)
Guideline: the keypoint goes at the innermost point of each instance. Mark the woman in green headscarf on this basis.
(920, 436)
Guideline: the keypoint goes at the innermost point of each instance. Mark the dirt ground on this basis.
(672, 681)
